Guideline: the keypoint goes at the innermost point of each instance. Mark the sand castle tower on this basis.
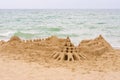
(2, 42)
(68, 52)
(14, 38)
(102, 42)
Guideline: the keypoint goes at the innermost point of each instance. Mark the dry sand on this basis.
(58, 59)
(19, 70)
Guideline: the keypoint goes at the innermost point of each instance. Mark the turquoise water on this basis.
(78, 24)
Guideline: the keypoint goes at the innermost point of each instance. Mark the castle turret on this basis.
(68, 52)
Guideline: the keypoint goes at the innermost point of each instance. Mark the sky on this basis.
(59, 4)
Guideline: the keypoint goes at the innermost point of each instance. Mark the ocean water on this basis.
(77, 24)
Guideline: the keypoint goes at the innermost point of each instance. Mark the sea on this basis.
(78, 24)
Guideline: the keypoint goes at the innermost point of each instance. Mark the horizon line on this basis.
(64, 8)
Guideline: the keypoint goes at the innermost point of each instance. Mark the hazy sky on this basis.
(59, 4)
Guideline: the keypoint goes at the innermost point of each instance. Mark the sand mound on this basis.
(95, 47)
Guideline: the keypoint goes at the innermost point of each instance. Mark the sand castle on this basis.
(57, 48)
(55, 54)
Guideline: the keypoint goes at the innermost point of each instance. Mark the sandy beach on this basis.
(12, 70)
(58, 59)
